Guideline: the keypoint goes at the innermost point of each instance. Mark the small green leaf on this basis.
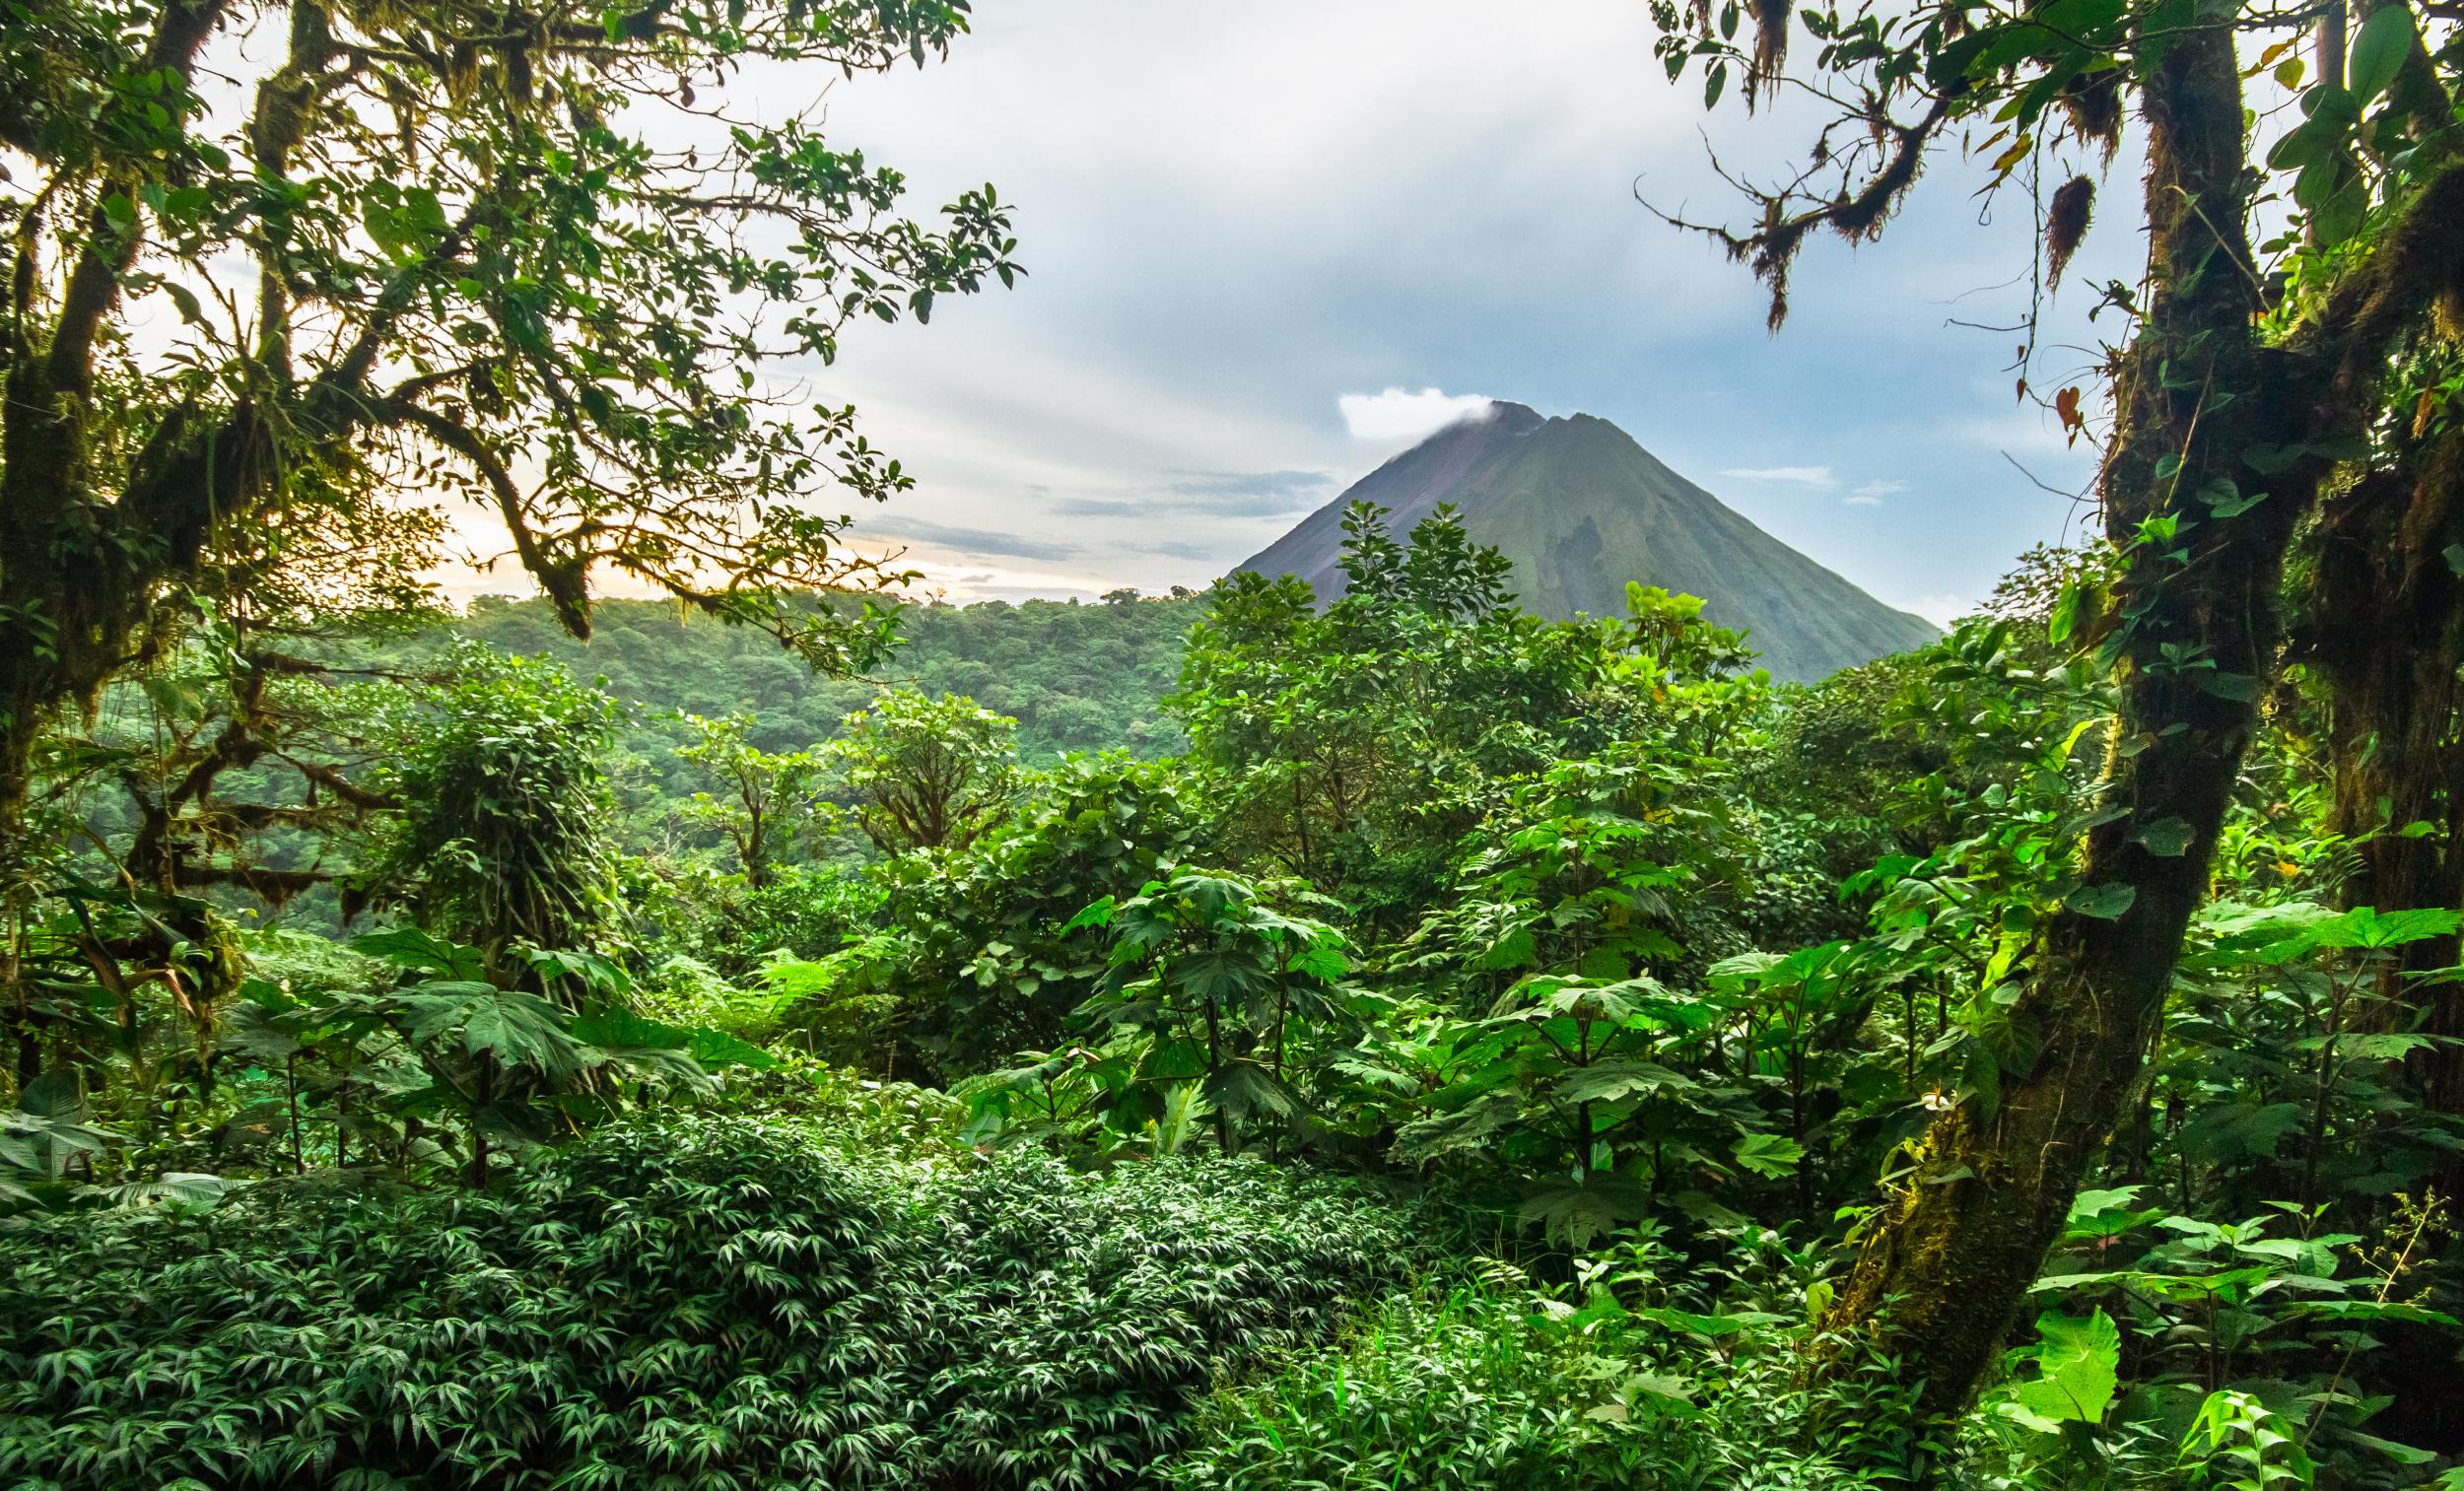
(2064, 618)
(2105, 903)
(1098, 915)
(2166, 838)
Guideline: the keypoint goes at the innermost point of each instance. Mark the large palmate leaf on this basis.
(1770, 1155)
(2369, 928)
(1244, 1089)
(648, 1048)
(1223, 975)
(415, 951)
(1612, 1081)
(515, 1027)
(1578, 1212)
(259, 1034)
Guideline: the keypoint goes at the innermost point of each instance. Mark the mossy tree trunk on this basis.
(2388, 638)
(2386, 635)
(2205, 409)
(1949, 1261)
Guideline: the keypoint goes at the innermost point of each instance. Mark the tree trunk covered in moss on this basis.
(2387, 637)
(1947, 1264)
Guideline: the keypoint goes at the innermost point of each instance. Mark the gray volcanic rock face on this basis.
(1581, 510)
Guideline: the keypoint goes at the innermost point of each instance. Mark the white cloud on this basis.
(1870, 495)
(1940, 609)
(1802, 476)
(1400, 415)
(1861, 500)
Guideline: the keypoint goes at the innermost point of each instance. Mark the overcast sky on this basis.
(1271, 243)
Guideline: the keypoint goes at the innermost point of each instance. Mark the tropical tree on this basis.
(1353, 747)
(2233, 406)
(399, 256)
(765, 799)
(503, 837)
(925, 773)
(988, 947)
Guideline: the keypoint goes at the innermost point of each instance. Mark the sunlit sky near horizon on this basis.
(1271, 245)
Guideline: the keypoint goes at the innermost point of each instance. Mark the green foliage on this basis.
(1608, 866)
(1587, 1056)
(682, 906)
(843, 1006)
(478, 259)
(1584, 913)
(1583, 1084)
(508, 1064)
(989, 952)
(503, 837)
(925, 773)
(766, 801)
(1630, 1377)
(1353, 747)
(1075, 677)
(1215, 1000)
(1592, 928)
(718, 1303)
(2076, 1362)
(45, 1135)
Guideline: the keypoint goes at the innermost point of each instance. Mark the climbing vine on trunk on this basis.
(2232, 402)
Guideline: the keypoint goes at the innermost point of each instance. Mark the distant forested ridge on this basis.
(1076, 677)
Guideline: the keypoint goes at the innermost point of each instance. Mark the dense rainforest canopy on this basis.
(1218, 1039)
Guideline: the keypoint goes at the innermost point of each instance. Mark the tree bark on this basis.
(1949, 1262)
(2388, 632)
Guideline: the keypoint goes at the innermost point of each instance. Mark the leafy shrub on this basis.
(720, 1303)
(1218, 1003)
(989, 955)
(1629, 1383)
(682, 906)
(505, 835)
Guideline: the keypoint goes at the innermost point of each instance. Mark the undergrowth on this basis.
(1624, 1380)
(714, 1304)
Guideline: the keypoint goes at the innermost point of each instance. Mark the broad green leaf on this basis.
(2166, 838)
(1612, 1081)
(1099, 913)
(1770, 1155)
(2105, 903)
(2367, 927)
(1579, 1212)
(2077, 1367)
(716, 1047)
(2380, 48)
